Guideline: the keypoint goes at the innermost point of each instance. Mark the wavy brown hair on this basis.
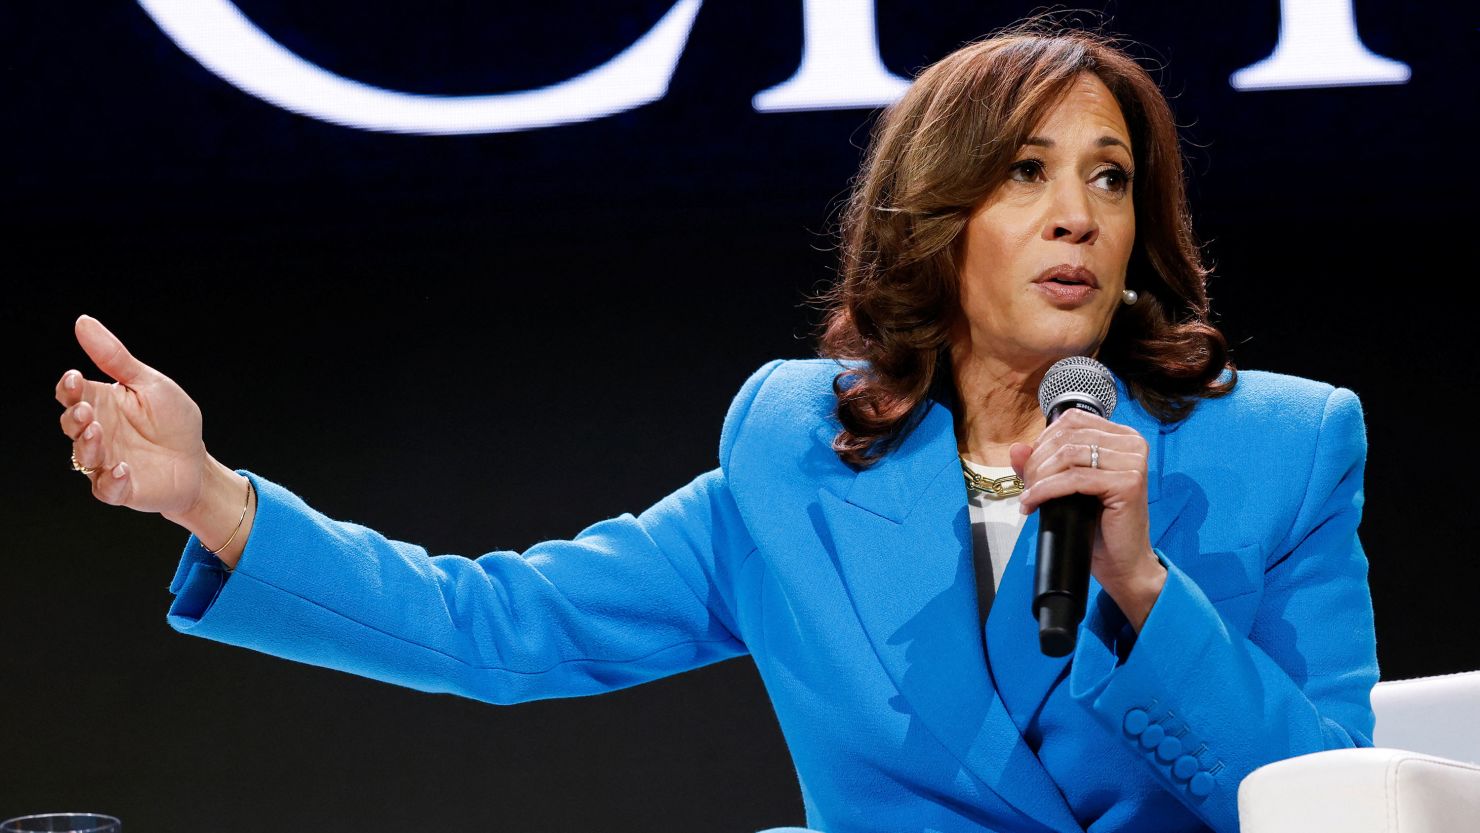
(939, 151)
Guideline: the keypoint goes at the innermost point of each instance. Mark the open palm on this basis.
(141, 432)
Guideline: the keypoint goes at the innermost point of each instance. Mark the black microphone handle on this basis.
(1067, 525)
(1066, 540)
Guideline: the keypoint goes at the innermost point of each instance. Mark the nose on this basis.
(1070, 215)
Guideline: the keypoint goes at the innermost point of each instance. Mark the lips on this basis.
(1068, 286)
(1069, 275)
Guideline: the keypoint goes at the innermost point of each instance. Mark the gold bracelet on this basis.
(240, 521)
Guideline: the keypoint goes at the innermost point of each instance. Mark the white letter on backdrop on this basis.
(224, 41)
(840, 62)
(1319, 47)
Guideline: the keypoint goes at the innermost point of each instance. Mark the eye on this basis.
(1031, 167)
(1119, 178)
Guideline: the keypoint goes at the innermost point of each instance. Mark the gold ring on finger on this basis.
(76, 466)
(1094, 456)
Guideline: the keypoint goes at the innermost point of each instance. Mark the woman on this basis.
(993, 230)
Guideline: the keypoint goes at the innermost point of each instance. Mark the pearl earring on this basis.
(1129, 297)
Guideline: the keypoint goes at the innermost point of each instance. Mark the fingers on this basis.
(1079, 428)
(1074, 448)
(69, 388)
(87, 448)
(112, 485)
(108, 353)
(1109, 486)
(1018, 456)
(75, 419)
(1064, 460)
(1077, 420)
(1082, 455)
(86, 434)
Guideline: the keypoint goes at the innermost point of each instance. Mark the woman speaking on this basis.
(1021, 203)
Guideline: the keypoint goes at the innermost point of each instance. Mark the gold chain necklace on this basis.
(996, 489)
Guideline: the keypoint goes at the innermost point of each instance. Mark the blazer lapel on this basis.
(902, 541)
(1023, 675)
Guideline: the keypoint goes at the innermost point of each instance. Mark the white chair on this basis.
(1422, 776)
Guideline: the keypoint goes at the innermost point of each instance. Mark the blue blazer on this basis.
(854, 595)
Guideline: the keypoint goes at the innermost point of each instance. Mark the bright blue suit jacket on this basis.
(854, 594)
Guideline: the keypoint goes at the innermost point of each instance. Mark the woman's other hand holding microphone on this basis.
(1087, 454)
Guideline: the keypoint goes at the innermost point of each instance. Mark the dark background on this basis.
(481, 342)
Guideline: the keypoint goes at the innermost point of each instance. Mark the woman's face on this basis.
(1066, 204)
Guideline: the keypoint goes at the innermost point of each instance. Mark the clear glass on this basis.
(62, 823)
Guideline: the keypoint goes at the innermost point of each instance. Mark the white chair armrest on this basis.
(1361, 791)
(1433, 715)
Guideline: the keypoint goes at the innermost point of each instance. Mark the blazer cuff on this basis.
(1128, 690)
(200, 577)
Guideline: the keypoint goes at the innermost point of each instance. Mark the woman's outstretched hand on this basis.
(140, 432)
(138, 439)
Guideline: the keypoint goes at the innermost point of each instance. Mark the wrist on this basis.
(222, 514)
(1138, 594)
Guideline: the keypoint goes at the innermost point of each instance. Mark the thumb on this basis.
(108, 353)
(1019, 454)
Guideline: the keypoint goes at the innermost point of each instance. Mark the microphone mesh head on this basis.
(1081, 376)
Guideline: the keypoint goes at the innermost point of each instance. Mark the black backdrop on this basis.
(480, 342)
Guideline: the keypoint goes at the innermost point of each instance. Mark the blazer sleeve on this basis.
(1203, 705)
(627, 600)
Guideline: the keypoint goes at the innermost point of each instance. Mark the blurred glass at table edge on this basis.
(62, 823)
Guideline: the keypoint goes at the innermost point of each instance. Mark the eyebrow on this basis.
(1102, 142)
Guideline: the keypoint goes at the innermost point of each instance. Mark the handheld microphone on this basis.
(1066, 525)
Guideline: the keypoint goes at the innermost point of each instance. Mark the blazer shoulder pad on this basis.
(1294, 429)
(1265, 401)
(784, 407)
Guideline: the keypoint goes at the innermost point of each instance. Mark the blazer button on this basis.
(1184, 767)
(1136, 721)
(1168, 750)
(1201, 784)
(1152, 736)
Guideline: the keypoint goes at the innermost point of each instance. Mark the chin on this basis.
(1081, 338)
(1061, 344)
